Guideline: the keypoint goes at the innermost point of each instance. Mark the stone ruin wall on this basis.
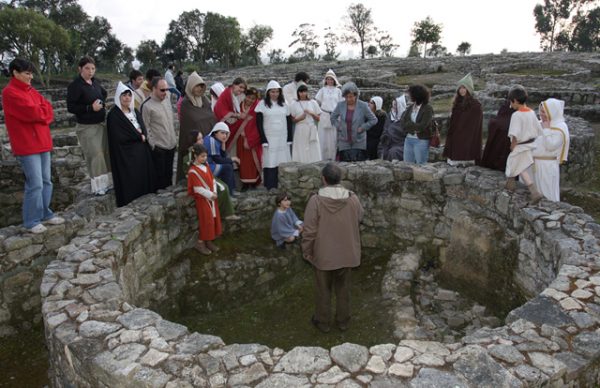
(98, 336)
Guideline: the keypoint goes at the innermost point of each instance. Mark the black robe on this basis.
(463, 141)
(391, 144)
(374, 135)
(497, 146)
(130, 157)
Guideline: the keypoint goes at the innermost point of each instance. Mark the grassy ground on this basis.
(432, 79)
(537, 72)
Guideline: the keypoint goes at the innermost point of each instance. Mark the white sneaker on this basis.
(39, 228)
(56, 220)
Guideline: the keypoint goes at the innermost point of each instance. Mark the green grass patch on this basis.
(543, 72)
(442, 105)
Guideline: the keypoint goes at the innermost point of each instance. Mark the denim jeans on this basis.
(38, 188)
(175, 92)
(416, 150)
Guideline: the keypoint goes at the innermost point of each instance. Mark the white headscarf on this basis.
(332, 75)
(121, 88)
(217, 88)
(378, 101)
(398, 107)
(554, 109)
(194, 80)
(220, 126)
(273, 85)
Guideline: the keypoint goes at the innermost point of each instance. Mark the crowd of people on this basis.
(131, 149)
(239, 134)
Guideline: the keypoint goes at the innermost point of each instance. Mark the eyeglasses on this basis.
(163, 90)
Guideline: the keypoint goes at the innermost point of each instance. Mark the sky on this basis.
(490, 26)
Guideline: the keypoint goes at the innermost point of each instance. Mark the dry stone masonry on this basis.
(98, 334)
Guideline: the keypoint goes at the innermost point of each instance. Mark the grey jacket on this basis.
(158, 118)
(362, 118)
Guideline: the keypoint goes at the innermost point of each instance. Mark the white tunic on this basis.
(275, 127)
(552, 148)
(524, 126)
(328, 97)
(306, 148)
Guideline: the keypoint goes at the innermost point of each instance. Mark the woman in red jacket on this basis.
(27, 116)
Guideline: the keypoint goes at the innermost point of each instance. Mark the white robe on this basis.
(552, 148)
(524, 126)
(306, 148)
(275, 127)
(328, 98)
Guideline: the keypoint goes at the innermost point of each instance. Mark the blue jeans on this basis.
(416, 150)
(38, 188)
(175, 92)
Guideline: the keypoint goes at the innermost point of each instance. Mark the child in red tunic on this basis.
(202, 186)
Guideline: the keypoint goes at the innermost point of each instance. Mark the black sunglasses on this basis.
(163, 90)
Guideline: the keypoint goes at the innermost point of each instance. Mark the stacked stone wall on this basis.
(98, 337)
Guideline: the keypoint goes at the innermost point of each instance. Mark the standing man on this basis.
(170, 78)
(290, 90)
(157, 114)
(28, 115)
(331, 243)
(136, 79)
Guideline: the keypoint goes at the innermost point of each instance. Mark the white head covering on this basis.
(331, 74)
(554, 109)
(378, 101)
(273, 85)
(121, 88)
(217, 88)
(399, 108)
(220, 126)
(193, 80)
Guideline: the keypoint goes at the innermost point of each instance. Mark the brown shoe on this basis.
(210, 245)
(534, 195)
(201, 247)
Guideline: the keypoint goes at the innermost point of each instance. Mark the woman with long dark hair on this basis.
(417, 121)
(86, 99)
(463, 143)
(274, 124)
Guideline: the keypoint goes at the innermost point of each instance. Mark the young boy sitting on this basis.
(523, 130)
(285, 226)
(220, 163)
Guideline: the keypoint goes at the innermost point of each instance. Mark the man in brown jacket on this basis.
(331, 242)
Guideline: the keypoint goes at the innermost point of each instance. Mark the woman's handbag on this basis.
(435, 139)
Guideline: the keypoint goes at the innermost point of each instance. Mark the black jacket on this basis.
(81, 96)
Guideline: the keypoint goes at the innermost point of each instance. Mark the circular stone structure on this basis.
(100, 334)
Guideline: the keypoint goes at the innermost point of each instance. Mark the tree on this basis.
(413, 51)
(586, 32)
(31, 35)
(372, 51)
(276, 56)
(437, 50)
(147, 53)
(331, 41)
(221, 39)
(187, 33)
(360, 26)
(552, 17)
(464, 48)
(306, 39)
(425, 32)
(108, 56)
(385, 44)
(256, 38)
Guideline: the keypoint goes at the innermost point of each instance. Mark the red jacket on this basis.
(27, 115)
